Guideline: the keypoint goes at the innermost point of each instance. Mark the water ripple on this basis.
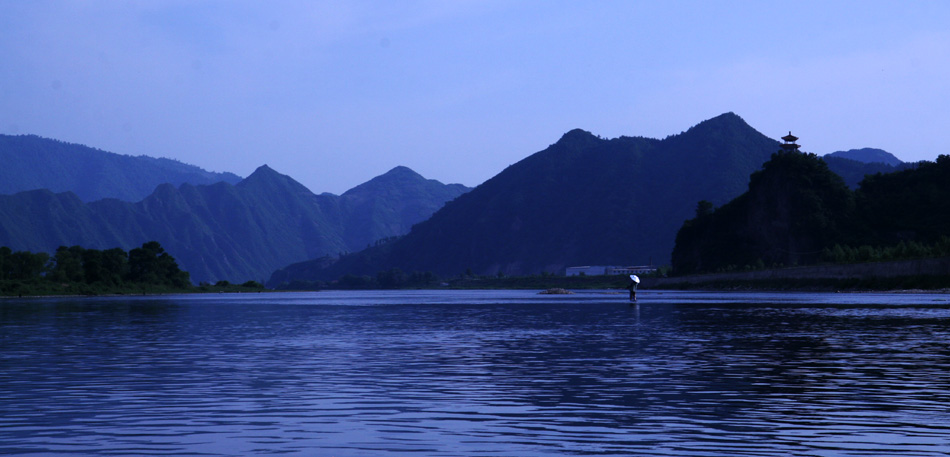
(466, 373)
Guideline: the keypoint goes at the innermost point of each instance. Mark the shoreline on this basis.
(922, 274)
(607, 291)
(156, 294)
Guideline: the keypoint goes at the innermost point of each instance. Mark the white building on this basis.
(599, 270)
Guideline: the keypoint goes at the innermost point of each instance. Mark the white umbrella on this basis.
(635, 279)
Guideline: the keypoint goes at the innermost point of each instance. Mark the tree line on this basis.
(901, 250)
(75, 269)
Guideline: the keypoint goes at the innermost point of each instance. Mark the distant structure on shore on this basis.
(607, 270)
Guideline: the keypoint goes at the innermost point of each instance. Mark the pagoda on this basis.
(789, 145)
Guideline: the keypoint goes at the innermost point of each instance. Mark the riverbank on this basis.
(904, 275)
(911, 276)
(918, 274)
(49, 290)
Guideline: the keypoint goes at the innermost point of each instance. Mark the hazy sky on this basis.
(335, 93)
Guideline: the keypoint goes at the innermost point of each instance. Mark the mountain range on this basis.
(583, 200)
(221, 231)
(31, 162)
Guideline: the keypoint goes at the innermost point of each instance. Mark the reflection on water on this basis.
(487, 373)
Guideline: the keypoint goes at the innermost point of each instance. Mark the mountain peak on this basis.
(402, 171)
(723, 129)
(265, 176)
(729, 119)
(397, 174)
(264, 170)
(577, 137)
(399, 177)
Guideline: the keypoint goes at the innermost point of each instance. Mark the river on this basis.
(487, 373)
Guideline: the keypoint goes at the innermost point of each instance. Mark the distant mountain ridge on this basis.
(853, 171)
(31, 162)
(221, 231)
(868, 155)
(853, 165)
(583, 200)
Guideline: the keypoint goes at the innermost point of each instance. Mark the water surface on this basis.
(446, 373)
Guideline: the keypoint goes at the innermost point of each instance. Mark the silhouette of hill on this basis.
(853, 165)
(906, 206)
(853, 172)
(868, 155)
(793, 208)
(583, 200)
(373, 217)
(222, 231)
(797, 212)
(30, 162)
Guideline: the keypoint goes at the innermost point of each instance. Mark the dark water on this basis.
(477, 373)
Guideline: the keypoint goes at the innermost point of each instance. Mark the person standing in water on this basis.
(632, 287)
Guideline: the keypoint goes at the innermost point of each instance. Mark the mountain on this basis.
(391, 203)
(221, 231)
(583, 200)
(31, 162)
(868, 155)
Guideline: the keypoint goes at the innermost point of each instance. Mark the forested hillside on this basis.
(226, 232)
(793, 208)
(796, 212)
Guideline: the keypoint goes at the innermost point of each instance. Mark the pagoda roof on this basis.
(790, 138)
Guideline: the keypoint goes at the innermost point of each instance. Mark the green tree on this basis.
(93, 271)
(391, 279)
(115, 266)
(252, 285)
(67, 264)
(28, 266)
(5, 262)
(150, 264)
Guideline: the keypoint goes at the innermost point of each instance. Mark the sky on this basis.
(336, 93)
